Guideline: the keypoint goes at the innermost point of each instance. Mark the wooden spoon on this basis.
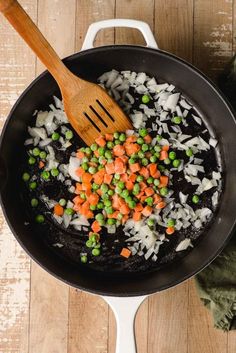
(90, 110)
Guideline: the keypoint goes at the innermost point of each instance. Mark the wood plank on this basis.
(231, 342)
(174, 26)
(137, 10)
(48, 322)
(212, 35)
(92, 11)
(88, 328)
(17, 69)
(168, 320)
(202, 336)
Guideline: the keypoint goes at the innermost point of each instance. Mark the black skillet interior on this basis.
(89, 65)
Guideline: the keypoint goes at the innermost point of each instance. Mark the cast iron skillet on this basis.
(90, 64)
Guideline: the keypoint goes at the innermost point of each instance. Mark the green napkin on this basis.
(216, 286)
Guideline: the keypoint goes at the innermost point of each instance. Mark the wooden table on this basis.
(39, 314)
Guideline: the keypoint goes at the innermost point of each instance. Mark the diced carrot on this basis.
(170, 230)
(86, 178)
(124, 177)
(149, 191)
(161, 204)
(84, 207)
(93, 199)
(138, 207)
(80, 154)
(137, 216)
(58, 210)
(125, 253)
(129, 185)
(132, 177)
(157, 198)
(134, 167)
(79, 172)
(132, 148)
(100, 141)
(139, 195)
(125, 218)
(113, 215)
(147, 211)
(147, 139)
(165, 148)
(124, 209)
(119, 150)
(86, 186)
(157, 174)
(78, 188)
(142, 185)
(77, 200)
(41, 164)
(88, 192)
(99, 192)
(143, 198)
(131, 139)
(153, 169)
(107, 178)
(98, 179)
(144, 172)
(164, 180)
(109, 137)
(89, 214)
(120, 167)
(163, 155)
(110, 168)
(77, 208)
(96, 227)
(96, 153)
(124, 159)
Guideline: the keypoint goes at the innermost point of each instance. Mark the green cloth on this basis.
(216, 286)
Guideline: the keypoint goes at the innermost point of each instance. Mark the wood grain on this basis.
(212, 35)
(202, 336)
(174, 26)
(17, 69)
(49, 298)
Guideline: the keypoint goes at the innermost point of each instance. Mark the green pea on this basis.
(121, 184)
(145, 99)
(92, 207)
(55, 172)
(157, 154)
(45, 175)
(92, 170)
(107, 203)
(88, 151)
(172, 155)
(84, 259)
(100, 167)
(62, 202)
(108, 154)
(99, 217)
(132, 161)
(104, 188)
(149, 200)
(39, 218)
(159, 138)
(157, 148)
(117, 142)
(141, 154)
(116, 135)
(69, 211)
(117, 176)
(69, 134)
(132, 204)
(101, 151)
(170, 222)
(102, 222)
(85, 160)
(94, 160)
(96, 252)
(143, 132)
(85, 166)
(145, 147)
(95, 186)
(176, 120)
(176, 163)
(189, 152)
(150, 222)
(110, 145)
(110, 192)
(195, 199)
(136, 188)
(150, 180)
(83, 196)
(118, 190)
(111, 221)
(31, 160)
(140, 140)
(119, 216)
(164, 191)
(105, 196)
(156, 182)
(139, 178)
(89, 243)
(161, 168)
(26, 176)
(128, 199)
(145, 161)
(42, 154)
(124, 193)
(55, 136)
(100, 205)
(34, 202)
(122, 137)
(167, 161)
(33, 185)
(36, 151)
(94, 147)
(153, 159)
(109, 210)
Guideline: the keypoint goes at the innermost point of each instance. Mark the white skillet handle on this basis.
(143, 27)
(125, 310)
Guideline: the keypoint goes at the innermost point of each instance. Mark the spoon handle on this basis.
(23, 24)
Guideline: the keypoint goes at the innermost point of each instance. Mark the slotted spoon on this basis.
(90, 110)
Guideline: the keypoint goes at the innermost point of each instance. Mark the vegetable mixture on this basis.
(133, 196)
